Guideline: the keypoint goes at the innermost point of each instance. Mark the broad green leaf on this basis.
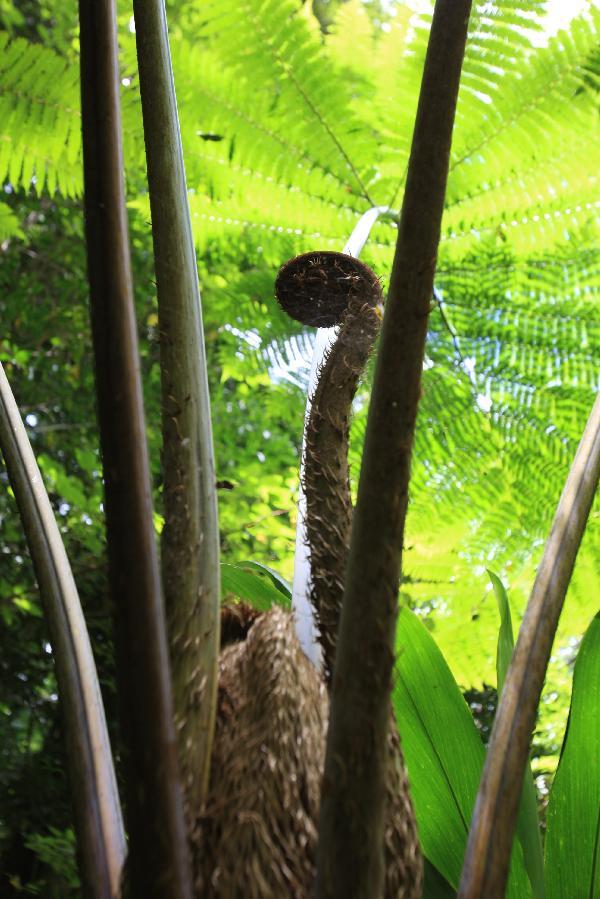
(528, 823)
(278, 581)
(573, 832)
(434, 885)
(443, 753)
(245, 582)
(506, 642)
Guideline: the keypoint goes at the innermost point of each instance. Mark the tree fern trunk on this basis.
(190, 540)
(351, 838)
(158, 864)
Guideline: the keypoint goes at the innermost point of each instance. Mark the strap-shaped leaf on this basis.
(490, 838)
(443, 752)
(254, 584)
(573, 834)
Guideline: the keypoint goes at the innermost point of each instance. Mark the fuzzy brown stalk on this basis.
(331, 288)
(326, 473)
(325, 289)
(257, 836)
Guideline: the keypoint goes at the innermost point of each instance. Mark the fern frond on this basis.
(529, 107)
(40, 125)
(9, 223)
(270, 42)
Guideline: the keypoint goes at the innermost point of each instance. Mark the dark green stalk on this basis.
(190, 539)
(96, 806)
(159, 866)
(487, 858)
(351, 838)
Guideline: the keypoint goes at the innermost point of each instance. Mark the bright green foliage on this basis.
(289, 136)
(573, 834)
(39, 109)
(518, 270)
(256, 584)
(9, 224)
(283, 587)
(443, 753)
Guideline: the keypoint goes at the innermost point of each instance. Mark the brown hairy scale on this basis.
(315, 288)
(257, 835)
(355, 301)
(236, 621)
(327, 289)
(336, 289)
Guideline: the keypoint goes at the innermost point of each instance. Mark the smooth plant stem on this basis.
(351, 839)
(96, 806)
(158, 866)
(190, 538)
(487, 857)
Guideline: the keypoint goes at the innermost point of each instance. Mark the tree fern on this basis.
(289, 135)
(518, 271)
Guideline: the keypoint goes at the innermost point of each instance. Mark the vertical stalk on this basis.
(96, 807)
(487, 857)
(304, 615)
(351, 838)
(190, 538)
(159, 866)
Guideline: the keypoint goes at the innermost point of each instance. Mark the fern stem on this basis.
(190, 538)
(96, 806)
(158, 864)
(487, 858)
(303, 610)
(350, 861)
(362, 186)
(330, 288)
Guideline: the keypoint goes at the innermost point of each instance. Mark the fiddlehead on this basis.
(325, 289)
(263, 809)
